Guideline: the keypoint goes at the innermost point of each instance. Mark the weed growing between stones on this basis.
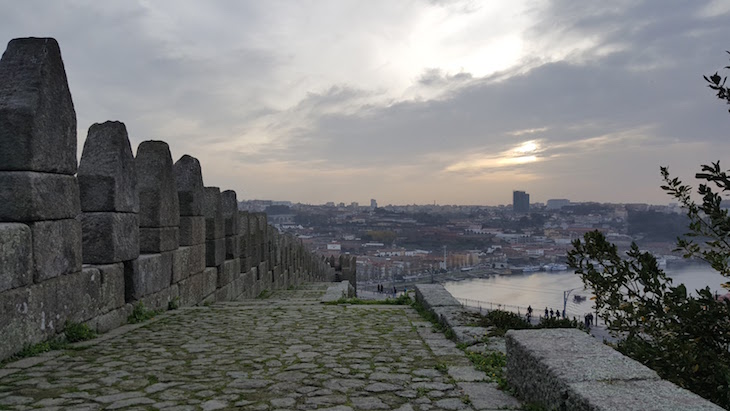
(76, 332)
(492, 364)
(73, 332)
(173, 304)
(140, 313)
(401, 300)
(531, 406)
(56, 343)
(264, 294)
(426, 314)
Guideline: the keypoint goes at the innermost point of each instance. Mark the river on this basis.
(545, 289)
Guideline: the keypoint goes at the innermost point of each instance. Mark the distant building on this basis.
(373, 203)
(557, 203)
(520, 202)
(354, 204)
(330, 204)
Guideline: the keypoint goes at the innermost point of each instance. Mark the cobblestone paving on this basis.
(284, 352)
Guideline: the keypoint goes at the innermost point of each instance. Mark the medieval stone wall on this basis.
(87, 243)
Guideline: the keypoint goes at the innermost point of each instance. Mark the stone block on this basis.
(107, 176)
(435, 295)
(190, 191)
(486, 396)
(211, 281)
(158, 202)
(233, 247)
(188, 261)
(213, 214)
(147, 274)
(158, 239)
(243, 228)
(109, 237)
(226, 293)
(31, 196)
(192, 230)
(228, 271)
(629, 395)
(56, 248)
(229, 206)
(37, 116)
(112, 286)
(16, 256)
(36, 312)
(113, 319)
(215, 252)
(198, 286)
(159, 300)
(191, 289)
(541, 372)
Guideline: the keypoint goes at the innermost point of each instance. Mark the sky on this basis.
(406, 102)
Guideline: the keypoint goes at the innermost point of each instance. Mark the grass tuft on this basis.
(140, 313)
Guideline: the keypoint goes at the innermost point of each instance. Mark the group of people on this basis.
(588, 320)
(550, 313)
(381, 289)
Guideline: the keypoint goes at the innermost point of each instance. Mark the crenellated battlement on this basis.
(85, 244)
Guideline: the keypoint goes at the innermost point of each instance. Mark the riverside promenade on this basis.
(287, 351)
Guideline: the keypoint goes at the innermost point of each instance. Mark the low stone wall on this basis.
(435, 298)
(87, 243)
(336, 291)
(567, 369)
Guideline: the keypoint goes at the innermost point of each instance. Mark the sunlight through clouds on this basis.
(524, 153)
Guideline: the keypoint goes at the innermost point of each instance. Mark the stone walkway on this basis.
(284, 352)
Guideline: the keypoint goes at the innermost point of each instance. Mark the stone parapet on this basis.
(52, 222)
(567, 369)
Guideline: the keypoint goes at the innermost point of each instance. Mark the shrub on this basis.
(501, 321)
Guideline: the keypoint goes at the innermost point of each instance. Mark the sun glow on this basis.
(524, 153)
(527, 147)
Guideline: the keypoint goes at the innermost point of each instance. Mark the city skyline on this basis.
(452, 102)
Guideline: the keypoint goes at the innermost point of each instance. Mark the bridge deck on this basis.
(284, 352)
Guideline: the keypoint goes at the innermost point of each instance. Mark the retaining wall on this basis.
(567, 369)
(85, 243)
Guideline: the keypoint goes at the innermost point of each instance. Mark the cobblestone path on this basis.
(285, 352)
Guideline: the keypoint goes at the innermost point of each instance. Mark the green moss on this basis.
(401, 300)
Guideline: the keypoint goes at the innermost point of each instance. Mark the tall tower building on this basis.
(520, 202)
(373, 204)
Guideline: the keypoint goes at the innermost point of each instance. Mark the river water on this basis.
(545, 289)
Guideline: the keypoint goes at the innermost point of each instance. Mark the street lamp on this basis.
(566, 294)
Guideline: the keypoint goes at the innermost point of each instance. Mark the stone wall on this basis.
(87, 243)
(567, 369)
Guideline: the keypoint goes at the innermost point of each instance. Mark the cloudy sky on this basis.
(408, 101)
